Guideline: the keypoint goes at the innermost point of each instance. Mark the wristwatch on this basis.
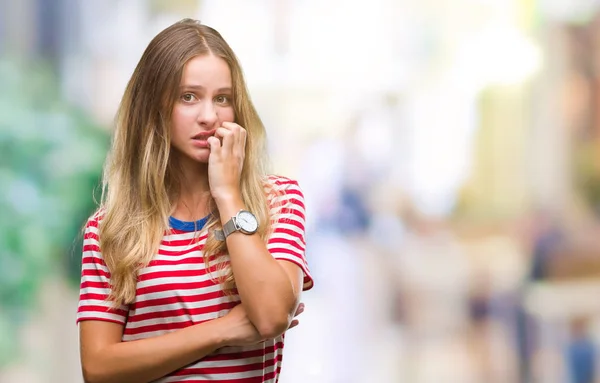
(243, 221)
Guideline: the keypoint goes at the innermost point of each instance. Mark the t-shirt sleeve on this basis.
(95, 282)
(287, 240)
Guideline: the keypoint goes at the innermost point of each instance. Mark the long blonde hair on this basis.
(141, 181)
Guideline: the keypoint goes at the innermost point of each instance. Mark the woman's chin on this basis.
(196, 158)
(201, 159)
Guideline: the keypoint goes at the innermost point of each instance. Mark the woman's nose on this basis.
(207, 114)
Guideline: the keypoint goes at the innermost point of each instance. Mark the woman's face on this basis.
(205, 101)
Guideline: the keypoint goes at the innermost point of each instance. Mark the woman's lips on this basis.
(204, 135)
(200, 139)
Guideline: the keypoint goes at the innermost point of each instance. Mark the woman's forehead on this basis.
(206, 72)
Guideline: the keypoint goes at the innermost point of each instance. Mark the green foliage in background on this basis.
(51, 158)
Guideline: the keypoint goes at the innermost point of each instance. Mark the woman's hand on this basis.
(226, 161)
(242, 332)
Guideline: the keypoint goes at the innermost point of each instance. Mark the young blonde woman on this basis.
(194, 263)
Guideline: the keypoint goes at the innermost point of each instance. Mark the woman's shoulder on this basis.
(280, 188)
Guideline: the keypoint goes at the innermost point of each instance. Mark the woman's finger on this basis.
(213, 143)
(300, 309)
(242, 140)
(239, 133)
(294, 323)
(227, 138)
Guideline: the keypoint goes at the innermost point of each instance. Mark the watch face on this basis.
(247, 221)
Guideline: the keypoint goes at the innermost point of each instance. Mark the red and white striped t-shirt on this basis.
(175, 292)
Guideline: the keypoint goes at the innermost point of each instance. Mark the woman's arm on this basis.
(105, 358)
(269, 289)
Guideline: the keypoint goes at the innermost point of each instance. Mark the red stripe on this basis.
(91, 247)
(92, 259)
(308, 281)
(290, 232)
(94, 284)
(157, 327)
(228, 369)
(175, 286)
(285, 241)
(90, 235)
(84, 318)
(293, 191)
(296, 201)
(279, 250)
(101, 309)
(254, 379)
(299, 225)
(91, 296)
(289, 211)
(219, 370)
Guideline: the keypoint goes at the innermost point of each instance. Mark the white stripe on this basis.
(94, 267)
(92, 229)
(97, 302)
(144, 335)
(100, 315)
(95, 290)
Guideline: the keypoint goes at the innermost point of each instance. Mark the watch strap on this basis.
(228, 228)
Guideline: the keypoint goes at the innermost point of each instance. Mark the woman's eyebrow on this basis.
(200, 87)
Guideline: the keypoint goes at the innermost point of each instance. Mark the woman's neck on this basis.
(193, 199)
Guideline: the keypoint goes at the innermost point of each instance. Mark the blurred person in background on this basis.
(581, 352)
(194, 263)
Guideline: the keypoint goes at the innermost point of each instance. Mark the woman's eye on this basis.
(188, 97)
(222, 99)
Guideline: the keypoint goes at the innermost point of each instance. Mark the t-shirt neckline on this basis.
(189, 226)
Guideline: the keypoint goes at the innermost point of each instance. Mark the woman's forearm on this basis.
(145, 360)
(264, 286)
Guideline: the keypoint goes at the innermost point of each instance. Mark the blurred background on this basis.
(449, 152)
